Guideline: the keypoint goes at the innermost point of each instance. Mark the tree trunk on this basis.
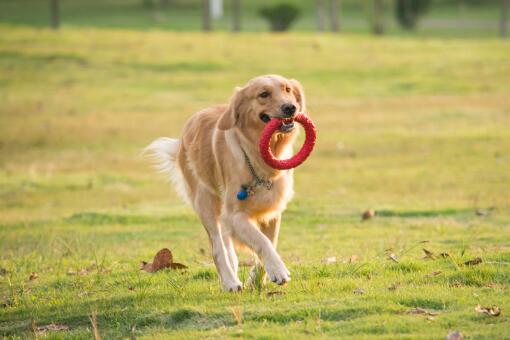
(236, 15)
(335, 11)
(206, 16)
(503, 23)
(319, 12)
(55, 15)
(377, 17)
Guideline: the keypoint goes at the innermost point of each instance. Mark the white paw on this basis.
(276, 271)
(233, 285)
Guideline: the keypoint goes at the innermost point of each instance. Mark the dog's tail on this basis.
(163, 152)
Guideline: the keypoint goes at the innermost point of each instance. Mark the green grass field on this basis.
(414, 128)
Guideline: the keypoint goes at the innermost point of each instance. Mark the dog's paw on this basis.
(232, 286)
(277, 272)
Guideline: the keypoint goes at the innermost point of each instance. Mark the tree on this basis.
(206, 15)
(503, 23)
(280, 16)
(334, 11)
(377, 17)
(409, 11)
(236, 15)
(319, 14)
(54, 13)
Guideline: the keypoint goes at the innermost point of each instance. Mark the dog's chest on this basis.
(274, 200)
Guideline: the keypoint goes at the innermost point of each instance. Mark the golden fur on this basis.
(208, 168)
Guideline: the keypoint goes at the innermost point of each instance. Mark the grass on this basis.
(443, 19)
(413, 128)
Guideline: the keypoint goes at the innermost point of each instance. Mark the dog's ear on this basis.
(299, 94)
(231, 116)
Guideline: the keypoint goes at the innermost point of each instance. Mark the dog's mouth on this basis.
(287, 123)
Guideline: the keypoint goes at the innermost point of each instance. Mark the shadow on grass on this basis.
(424, 213)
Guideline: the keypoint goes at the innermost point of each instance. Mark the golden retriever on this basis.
(218, 154)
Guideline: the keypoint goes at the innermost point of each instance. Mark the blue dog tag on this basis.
(242, 194)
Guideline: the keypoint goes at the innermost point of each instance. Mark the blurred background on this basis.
(469, 18)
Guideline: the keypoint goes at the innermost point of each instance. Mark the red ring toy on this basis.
(285, 164)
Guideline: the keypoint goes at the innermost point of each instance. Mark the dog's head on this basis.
(253, 105)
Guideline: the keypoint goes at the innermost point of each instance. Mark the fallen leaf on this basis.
(274, 293)
(368, 215)
(52, 327)
(359, 291)
(33, 276)
(202, 251)
(491, 311)
(330, 260)
(455, 335)
(393, 286)
(163, 259)
(423, 311)
(433, 274)
(353, 258)
(430, 318)
(428, 254)
(393, 257)
(444, 255)
(473, 262)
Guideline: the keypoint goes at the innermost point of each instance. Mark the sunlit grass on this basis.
(415, 129)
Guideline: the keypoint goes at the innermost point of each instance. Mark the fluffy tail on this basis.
(163, 152)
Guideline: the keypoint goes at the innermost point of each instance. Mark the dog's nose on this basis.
(289, 109)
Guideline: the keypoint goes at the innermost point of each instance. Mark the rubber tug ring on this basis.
(307, 148)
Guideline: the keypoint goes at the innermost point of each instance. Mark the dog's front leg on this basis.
(247, 232)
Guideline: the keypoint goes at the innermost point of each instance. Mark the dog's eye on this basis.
(288, 89)
(264, 94)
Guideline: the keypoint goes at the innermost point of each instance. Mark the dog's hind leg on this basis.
(207, 207)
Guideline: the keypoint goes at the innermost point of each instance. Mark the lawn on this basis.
(414, 128)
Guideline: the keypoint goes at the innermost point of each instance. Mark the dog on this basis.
(217, 156)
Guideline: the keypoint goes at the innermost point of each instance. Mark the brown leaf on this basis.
(274, 293)
(163, 259)
(52, 327)
(428, 254)
(393, 257)
(359, 291)
(473, 262)
(353, 258)
(394, 286)
(455, 335)
(444, 255)
(33, 276)
(368, 214)
(423, 311)
(491, 311)
(176, 265)
(433, 274)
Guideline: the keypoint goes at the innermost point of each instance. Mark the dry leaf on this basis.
(444, 255)
(368, 215)
(393, 257)
(433, 274)
(52, 327)
(353, 258)
(33, 276)
(428, 254)
(430, 318)
(473, 262)
(163, 259)
(330, 260)
(423, 311)
(274, 293)
(359, 291)
(491, 311)
(455, 335)
(393, 286)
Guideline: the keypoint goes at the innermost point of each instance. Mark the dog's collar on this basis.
(248, 190)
